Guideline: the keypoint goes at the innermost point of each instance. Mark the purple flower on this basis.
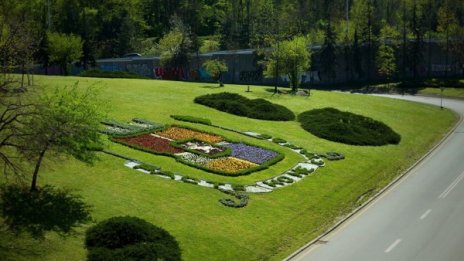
(254, 154)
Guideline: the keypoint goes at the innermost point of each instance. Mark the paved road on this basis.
(420, 218)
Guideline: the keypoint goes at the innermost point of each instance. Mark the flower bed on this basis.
(193, 158)
(251, 153)
(150, 143)
(201, 150)
(178, 133)
(230, 165)
(202, 147)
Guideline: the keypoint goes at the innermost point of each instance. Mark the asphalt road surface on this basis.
(420, 218)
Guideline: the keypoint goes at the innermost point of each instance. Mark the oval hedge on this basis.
(348, 128)
(239, 105)
(130, 238)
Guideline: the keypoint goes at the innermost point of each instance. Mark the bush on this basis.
(130, 238)
(278, 140)
(191, 119)
(242, 106)
(264, 136)
(231, 203)
(47, 209)
(105, 74)
(348, 128)
(148, 167)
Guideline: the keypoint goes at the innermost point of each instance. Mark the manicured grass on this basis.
(448, 92)
(272, 225)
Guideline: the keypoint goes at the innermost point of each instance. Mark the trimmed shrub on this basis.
(242, 106)
(191, 119)
(278, 140)
(130, 238)
(264, 136)
(348, 128)
(231, 203)
(105, 74)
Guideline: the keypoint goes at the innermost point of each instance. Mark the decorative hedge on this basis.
(191, 119)
(106, 74)
(239, 105)
(231, 203)
(347, 127)
(130, 238)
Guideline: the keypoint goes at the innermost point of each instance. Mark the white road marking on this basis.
(393, 245)
(425, 214)
(451, 186)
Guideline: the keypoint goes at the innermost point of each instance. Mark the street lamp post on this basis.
(441, 97)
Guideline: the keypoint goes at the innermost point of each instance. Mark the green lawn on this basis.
(449, 92)
(273, 225)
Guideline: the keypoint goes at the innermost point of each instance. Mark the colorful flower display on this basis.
(250, 153)
(150, 142)
(202, 150)
(178, 133)
(202, 147)
(230, 164)
(194, 158)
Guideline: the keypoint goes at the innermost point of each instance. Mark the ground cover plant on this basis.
(239, 105)
(346, 127)
(272, 225)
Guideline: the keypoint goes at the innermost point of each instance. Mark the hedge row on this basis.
(105, 74)
(191, 119)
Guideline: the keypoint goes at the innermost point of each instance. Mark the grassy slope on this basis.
(449, 92)
(272, 225)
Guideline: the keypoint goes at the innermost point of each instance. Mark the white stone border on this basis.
(258, 187)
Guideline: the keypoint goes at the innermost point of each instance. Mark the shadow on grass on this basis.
(211, 87)
(15, 246)
(41, 211)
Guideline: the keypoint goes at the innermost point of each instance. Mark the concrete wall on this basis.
(244, 67)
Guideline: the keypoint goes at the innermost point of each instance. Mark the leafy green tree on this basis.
(448, 26)
(174, 47)
(210, 46)
(385, 57)
(215, 68)
(66, 122)
(386, 62)
(289, 57)
(64, 49)
(328, 55)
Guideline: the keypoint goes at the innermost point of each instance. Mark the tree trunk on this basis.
(36, 169)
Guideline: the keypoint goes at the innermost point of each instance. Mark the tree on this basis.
(385, 58)
(292, 57)
(66, 121)
(174, 47)
(447, 27)
(64, 49)
(215, 68)
(209, 46)
(328, 56)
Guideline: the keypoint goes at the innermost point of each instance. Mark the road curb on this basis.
(378, 194)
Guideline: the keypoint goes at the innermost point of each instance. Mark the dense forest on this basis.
(112, 28)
